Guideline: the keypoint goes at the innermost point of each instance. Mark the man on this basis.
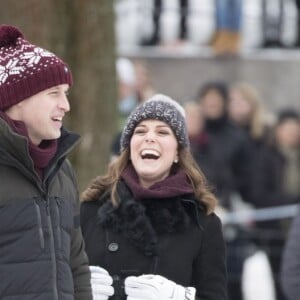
(41, 247)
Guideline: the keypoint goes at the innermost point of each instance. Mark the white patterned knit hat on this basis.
(159, 107)
(26, 69)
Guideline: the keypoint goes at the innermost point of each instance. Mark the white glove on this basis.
(156, 287)
(101, 283)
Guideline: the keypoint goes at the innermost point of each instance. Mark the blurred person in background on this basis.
(277, 182)
(127, 97)
(280, 26)
(227, 38)
(272, 22)
(298, 23)
(290, 264)
(134, 88)
(144, 87)
(213, 169)
(168, 16)
(194, 124)
(245, 110)
(227, 163)
(127, 94)
(150, 221)
(228, 143)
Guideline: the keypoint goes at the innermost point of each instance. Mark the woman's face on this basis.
(153, 150)
(239, 109)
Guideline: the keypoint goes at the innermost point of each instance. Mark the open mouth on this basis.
(150, 154)
(57, 119)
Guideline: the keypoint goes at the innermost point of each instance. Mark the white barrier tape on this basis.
(261, 214)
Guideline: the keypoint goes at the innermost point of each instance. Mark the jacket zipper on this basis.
(52, 247)
(58, 223)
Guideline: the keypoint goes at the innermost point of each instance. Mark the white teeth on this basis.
(150, 152)
(57, 119)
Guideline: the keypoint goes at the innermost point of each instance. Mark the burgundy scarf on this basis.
(176, 184)
(41, 154)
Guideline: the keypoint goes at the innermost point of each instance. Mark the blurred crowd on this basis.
(227, 26)
(251, 159)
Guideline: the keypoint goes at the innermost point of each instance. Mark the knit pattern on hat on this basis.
(159, 107)
(26, 69)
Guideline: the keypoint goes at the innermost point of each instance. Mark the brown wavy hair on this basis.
(108, 182)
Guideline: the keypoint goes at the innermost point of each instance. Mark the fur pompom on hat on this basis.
(159, 107)
(26, 69)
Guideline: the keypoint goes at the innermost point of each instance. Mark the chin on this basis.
(54, 136)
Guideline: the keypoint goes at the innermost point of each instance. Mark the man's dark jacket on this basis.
(41, 246)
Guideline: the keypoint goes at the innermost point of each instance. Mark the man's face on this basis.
(43, 113)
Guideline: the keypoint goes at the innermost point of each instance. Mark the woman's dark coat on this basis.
(172, 237)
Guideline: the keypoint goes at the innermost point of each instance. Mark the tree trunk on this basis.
(94, 111)
(82, 33)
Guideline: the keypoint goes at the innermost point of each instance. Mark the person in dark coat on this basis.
(150, 222)
(225, 159)
(229, 146)
(246, 110)
(277, 183)
(41, 246)
(290, 264)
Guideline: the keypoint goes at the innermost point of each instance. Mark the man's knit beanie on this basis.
(26, 69)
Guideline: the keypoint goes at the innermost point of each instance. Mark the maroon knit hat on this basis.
(26, 69)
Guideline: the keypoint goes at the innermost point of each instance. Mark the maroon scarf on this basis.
(41, 154)
(174, 185)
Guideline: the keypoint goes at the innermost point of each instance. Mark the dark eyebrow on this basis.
(158, 126)
(163, 126)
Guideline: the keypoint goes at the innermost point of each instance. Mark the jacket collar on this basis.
(14, 149)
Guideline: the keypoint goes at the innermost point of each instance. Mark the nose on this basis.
(150, 137)
(64, 103)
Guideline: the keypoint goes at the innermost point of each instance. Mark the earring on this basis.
(176, 161)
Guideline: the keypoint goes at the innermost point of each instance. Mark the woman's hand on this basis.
(156, 287)
(101, 283)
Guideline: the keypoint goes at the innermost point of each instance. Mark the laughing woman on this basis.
(148, 224)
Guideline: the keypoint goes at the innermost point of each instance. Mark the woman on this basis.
(245, 109)
(277, 184)
(149, 221)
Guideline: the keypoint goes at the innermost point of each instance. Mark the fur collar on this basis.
(142, 221)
